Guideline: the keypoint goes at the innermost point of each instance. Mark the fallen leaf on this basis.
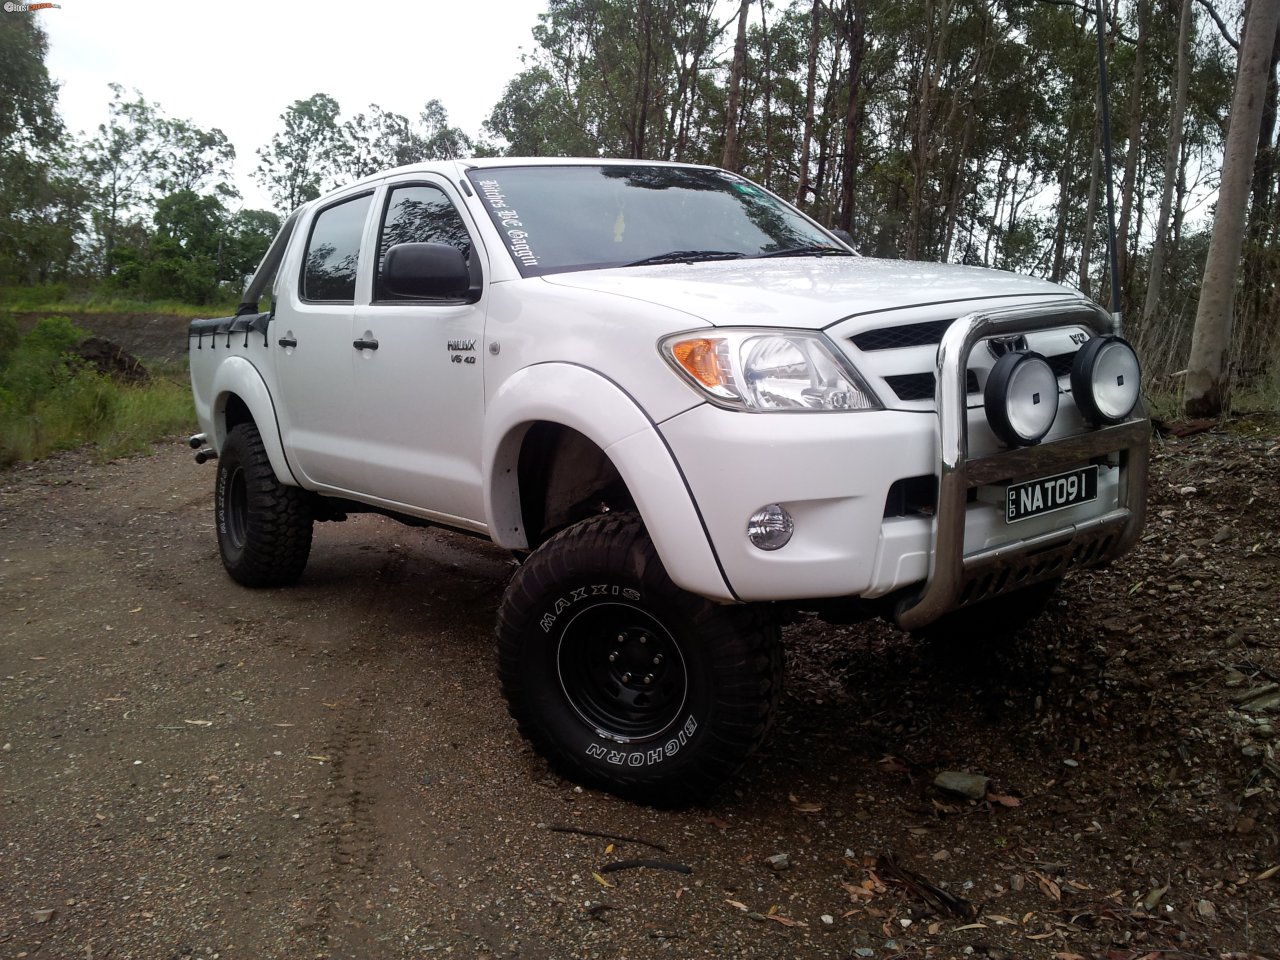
(1063, 955)
(1003, 921)
(1048, 887)
(736, 903)
(785, 921)
(718, 823)
(42, 916)
(199, 723)
(136, 610)
(609, 848)
(971, 926)
(804, 807)
(1042, 936)
(891, 764)
(1268, 873)
(316, 756)
(1004, 800)
(601, 880)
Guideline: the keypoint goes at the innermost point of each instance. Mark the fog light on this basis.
(1021, 398)
(770, 527)
(1105, 379)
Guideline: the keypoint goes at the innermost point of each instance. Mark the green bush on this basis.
(49, 401)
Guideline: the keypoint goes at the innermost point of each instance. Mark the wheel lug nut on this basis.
(622, 638)
(613, 656)
(643, 638)
(657, 659)
(626, 678)
(648, 678)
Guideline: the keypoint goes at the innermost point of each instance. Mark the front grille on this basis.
(1061, 363)
(920, 386)
(910, 335)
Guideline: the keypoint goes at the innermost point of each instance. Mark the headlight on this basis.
(1021, 398)
(1105, 379)
(767, 371)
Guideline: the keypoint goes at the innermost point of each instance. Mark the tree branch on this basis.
(1088, 10)
(1222, 27)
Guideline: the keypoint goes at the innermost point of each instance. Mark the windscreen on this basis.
(555, 219)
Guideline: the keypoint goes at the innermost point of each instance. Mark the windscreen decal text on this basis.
(509, 221)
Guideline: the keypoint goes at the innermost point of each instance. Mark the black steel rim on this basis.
(622, 671)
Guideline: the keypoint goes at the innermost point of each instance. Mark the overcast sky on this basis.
(237, 65)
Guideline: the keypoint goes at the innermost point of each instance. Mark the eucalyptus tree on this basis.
(1207, 389)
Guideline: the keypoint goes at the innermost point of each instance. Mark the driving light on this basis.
(768, 371)
(1105, 379)
(770, 527)
(1021, 398)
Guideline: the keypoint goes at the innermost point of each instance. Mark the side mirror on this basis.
(843, 235)
(426, 270)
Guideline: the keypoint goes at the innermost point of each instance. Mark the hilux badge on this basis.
(459, 346)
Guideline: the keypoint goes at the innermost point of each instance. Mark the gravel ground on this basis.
(191, 769)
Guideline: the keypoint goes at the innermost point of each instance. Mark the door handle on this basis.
(365, 344)
(287, 342)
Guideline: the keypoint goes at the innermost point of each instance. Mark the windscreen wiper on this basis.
(812, 250)
(686, 256)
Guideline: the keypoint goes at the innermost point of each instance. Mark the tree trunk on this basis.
(1091, 205)
(767, 51)
(1129, 187)
(855, 35)
(1177, 113)
(1255, 338)
(1207, 389)
(730, 159)
(802, 191)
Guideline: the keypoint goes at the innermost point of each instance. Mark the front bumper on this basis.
(833, 473)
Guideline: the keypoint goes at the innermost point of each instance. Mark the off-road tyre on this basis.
(264, 526)
(622, 680)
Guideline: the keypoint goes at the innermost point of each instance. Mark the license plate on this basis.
(1035, 497)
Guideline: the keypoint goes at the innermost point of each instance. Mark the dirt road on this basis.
(191, 769)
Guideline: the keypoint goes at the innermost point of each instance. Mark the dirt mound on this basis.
(112, 360)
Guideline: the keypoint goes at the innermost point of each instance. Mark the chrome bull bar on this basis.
(956, 579)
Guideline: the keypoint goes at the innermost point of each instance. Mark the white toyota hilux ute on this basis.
(689, 410)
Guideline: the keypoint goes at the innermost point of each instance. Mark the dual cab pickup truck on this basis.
(689, 410)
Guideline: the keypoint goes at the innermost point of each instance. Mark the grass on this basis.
(51, 402)
(59, 300)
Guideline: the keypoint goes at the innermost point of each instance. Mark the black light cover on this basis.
(1105, 379)
(1021, 398)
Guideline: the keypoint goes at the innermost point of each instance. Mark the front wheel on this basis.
(624, 681)
(264, 527)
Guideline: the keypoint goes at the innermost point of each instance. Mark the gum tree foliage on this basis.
(306, 156)
(317, 151)
(41, 197)
(961, 130)
(143, 163)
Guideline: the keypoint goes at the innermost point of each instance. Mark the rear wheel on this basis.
(264, 526)
(624, 681)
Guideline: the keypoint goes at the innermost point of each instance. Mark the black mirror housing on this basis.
(437, 270)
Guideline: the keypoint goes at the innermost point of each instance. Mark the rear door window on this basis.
(333, 252)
